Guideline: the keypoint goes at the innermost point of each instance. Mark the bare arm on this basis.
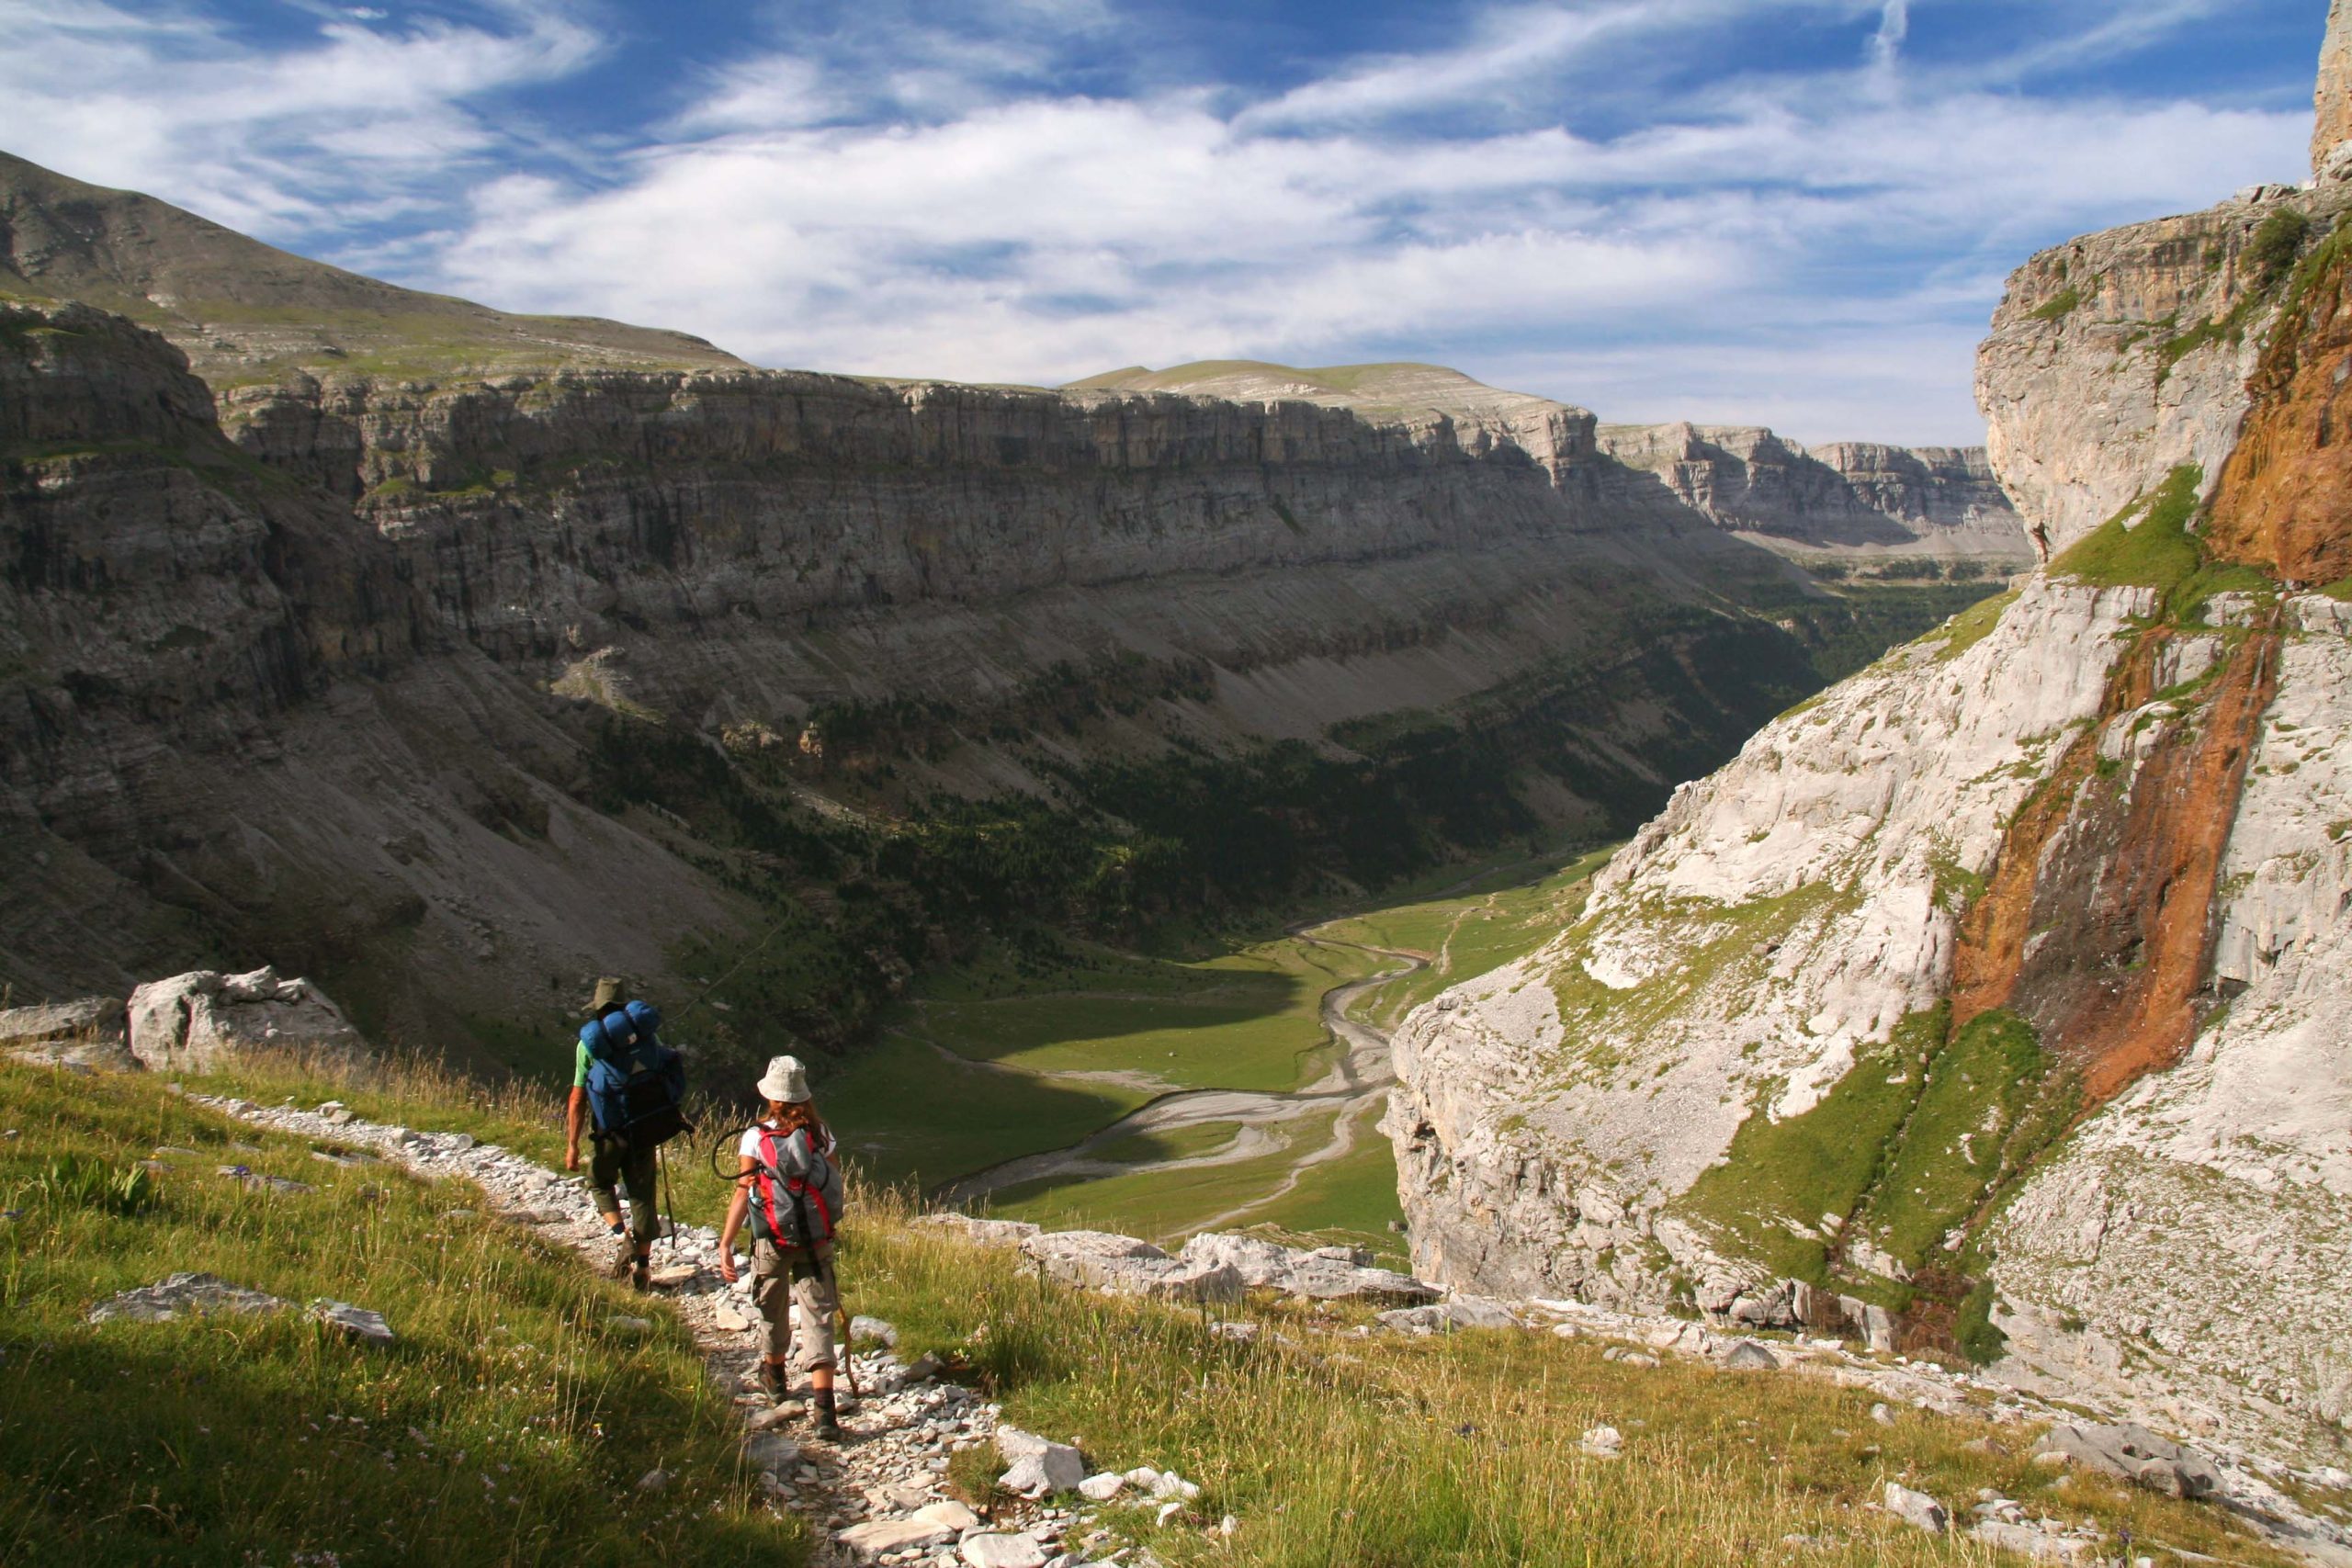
(575, 1113)
(736, 1209)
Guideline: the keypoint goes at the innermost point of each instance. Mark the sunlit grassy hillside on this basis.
(509, 1422)
(513, 1418)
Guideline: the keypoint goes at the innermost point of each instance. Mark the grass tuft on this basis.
(2058, 306)
(2145, 544)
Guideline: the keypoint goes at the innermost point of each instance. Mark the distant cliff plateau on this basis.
(1843, 508)
(454, 656)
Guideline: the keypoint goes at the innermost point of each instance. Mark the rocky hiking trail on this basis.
(1360, 1077)
(883, 1487)
(880, 1494)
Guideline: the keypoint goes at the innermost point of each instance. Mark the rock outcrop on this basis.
(2003, 988)
(2332, 130)
(1214, 1266)
(203, 1021)
(91, 1032)
(2122, 355)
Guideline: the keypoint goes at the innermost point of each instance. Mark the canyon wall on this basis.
(420, 616)
(1860, 499)
(2002, 986)
(228, 724)
(1844, 496)
(339, 672)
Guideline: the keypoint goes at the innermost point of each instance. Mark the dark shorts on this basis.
(610, 1164)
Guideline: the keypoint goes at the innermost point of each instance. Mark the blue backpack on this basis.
(637, 1086)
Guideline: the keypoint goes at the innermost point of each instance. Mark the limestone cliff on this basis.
(2004, 985)
(378, 681)
(2333, 128)
(1869, 500)
(228, 726)
(1849, 496)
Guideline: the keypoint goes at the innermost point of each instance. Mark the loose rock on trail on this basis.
(881, 1493)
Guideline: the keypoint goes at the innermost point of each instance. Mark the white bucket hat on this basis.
(787, 1080)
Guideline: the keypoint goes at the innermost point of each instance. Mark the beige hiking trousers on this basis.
(782, 1281)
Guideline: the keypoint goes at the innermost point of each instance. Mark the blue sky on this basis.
(1793, 212)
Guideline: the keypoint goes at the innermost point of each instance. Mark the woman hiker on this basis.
(789, 1186)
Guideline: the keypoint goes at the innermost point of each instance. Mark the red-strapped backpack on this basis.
(789, 1210)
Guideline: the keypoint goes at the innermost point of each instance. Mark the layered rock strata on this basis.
(1846, 497)
(330, 693)
(226, 722)
(1851, 496)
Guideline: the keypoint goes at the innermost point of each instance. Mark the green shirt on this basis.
(580, 1066)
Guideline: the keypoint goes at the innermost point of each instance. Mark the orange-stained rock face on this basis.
(2284, 503)
(2097, 923)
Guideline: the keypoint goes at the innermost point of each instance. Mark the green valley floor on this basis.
(1160, 1097)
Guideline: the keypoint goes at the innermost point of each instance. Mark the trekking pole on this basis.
(665, 1194)
(840, 1320)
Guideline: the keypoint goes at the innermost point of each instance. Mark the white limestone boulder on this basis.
(90, 1033)
(199, 1021)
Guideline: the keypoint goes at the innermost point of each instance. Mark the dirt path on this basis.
(1361, 1074)
(897, 1436)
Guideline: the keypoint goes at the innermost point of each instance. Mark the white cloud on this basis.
(904, 190)
(1894, 26)
(177, 104)
(1045, 238)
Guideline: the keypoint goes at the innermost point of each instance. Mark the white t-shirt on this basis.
(748, 1147)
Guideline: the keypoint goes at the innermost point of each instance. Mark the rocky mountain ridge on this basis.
(1871, 499)
(2003, 985)
(243, 311)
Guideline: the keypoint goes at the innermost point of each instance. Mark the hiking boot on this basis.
(640, 1274)
(624, 1256)
(828, 1421)
(775, 1382)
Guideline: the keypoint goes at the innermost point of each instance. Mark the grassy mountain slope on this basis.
(511, 1421)
(246, 311)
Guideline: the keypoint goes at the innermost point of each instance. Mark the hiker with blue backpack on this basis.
(632, 1088)
(788, 1187)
